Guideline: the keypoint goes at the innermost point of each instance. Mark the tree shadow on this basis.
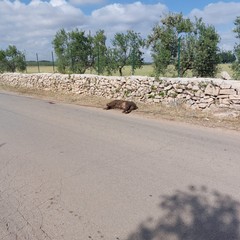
(194, 214)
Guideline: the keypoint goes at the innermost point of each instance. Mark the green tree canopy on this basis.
(73, 50)
(206, 57)
(12, 59)
(164, 40)
(80, 49)
(236, 64)
(126, 50)
(227, 56)
(99, 52)
(77, 51)
(186, 44)
(61, 47)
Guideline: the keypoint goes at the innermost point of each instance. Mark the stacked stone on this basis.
(196, 93)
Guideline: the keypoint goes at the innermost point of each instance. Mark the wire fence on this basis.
(39, 66)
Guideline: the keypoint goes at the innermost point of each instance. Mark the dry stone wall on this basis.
(196, 93)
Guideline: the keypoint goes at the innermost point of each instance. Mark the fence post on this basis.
(179, 52)
(38, 63)
(53, 63)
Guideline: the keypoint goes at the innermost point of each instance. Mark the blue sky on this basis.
(184, 6)
(31, 25)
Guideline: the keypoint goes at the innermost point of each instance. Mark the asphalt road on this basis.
(76, 173)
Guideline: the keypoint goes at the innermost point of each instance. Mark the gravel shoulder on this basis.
(220, 118)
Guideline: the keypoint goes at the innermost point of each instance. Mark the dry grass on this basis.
(146, 70)
(42, 69)
(151, 111)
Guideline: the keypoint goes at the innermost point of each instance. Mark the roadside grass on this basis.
(156, 111)
(146, 70)
(152, 111)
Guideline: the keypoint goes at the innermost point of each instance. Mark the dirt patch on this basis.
(220, 118)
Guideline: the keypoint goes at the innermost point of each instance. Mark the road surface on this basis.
(75, 173)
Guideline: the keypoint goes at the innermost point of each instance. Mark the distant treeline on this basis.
(39, 63)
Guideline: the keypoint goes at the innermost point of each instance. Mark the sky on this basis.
(31, 25)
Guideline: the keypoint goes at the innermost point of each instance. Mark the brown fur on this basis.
(127, 106)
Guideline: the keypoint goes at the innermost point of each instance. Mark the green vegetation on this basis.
(73, 50)
(227, 57)
(76, 52)
(126, 50)
(180, 47)
(11, 60)
(236, 64)
(39, 63)
(145, 70)
(184, 44)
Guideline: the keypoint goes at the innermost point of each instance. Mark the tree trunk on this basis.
(120, 71)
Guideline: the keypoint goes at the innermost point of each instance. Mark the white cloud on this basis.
(54, 3)
(221, 15)
(122, 17)
(137, 16)
(218, 13)
(85, 2)
(32, 26)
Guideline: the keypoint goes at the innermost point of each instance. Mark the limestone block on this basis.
(206, 100)
(195, 88)
(199, 93)
(188, 97)
(189, 86)
(225, 75)
(222, 96)
(225, 85)
(224, 101)
(189, 93)
(211, 90)
(235, 99)
(168, 87)
(179, 90)
(226, 91)
(202, 105)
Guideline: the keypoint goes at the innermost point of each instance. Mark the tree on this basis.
(61, 47)
(73, 50)
(127, 50)
(3, 61)
(227, 56)
(80, 48)
(206, 56)
(99, 52)
(236, 64)
(164, 41)
(185, 44)
(12, 59)
(111, 63)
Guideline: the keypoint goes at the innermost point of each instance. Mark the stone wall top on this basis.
(197, 93)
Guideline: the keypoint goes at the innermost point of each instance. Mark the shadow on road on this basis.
(2, 144)
(194, 214)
